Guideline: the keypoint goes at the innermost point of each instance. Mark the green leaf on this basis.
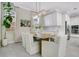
(8, 4)
(7, 21)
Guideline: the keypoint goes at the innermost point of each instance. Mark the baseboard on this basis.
(11, 42)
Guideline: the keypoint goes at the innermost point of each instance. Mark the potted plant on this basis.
(7, 19)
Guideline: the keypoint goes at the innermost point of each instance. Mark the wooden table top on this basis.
(45, 35)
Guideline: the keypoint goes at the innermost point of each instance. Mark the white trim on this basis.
(23, 8)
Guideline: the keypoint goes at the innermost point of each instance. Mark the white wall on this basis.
(74, 20)
(15, 35)
(20, 14)
(52, 21)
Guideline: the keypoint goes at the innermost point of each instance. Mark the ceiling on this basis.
(71, 7)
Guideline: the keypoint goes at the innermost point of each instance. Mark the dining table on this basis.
(43, 37)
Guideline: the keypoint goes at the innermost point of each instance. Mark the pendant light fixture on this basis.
(37, 7)
(36, 17)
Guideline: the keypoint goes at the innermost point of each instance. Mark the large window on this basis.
(75, 29)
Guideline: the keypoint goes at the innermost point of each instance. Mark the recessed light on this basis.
(74, 8)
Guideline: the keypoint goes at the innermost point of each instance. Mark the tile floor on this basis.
(17, 50)
(73, 48)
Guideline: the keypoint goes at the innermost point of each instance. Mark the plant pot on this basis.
(4, 42)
